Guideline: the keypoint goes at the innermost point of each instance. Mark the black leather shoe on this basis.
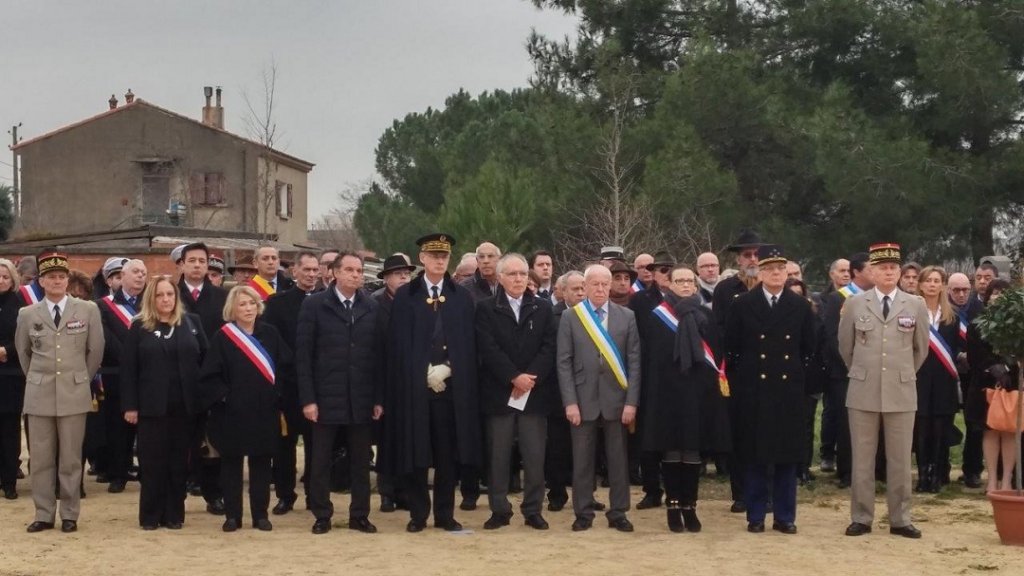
(387, 504)
(10, 494)
(263, 524)
(738, 507)
(581, 524)
(363, 525)
(784, 527)
(690, 519)
(858, 529)
(21, 474)
(556, 505)
(38, 526)
(497, 521)
(173, 525)
(621, 524)
(230, 525)
(194, 489)
(322, 526)
(755, 527)
(283, 507)
(828, 465)
(468, 504)
(150, 527)
(450, 525)
(599, 506)
(843, 483)
(536, 521)
(907, 531)
(116, 486)
(414, 526)
(972, 480)
(102, 478)
(648, 502)
(216, 507)
(68, 526)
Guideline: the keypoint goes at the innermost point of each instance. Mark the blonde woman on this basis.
(160, 361)
(937, 381)
(12, 381)
(239, 384)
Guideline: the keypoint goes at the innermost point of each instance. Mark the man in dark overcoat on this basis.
(431, 395)
(770, 342)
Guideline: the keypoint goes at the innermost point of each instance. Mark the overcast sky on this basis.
(346, 68)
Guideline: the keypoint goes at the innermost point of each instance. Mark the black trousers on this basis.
(833, 402)
(117, 453)
(930, 437)
(163, 465)
(359, 439)
(844, 447)
(446, 468)
(285, 462)
(10, 449)
(973, 463)
(202, 470)
(558, 458)
(259, 485)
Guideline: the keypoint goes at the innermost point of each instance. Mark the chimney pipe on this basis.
(218, 96)
(129, 97)
(208, 92)
(112, 102)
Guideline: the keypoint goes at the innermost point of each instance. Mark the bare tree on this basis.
(335, 230)
(261, 125)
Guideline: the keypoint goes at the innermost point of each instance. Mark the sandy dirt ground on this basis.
(959, 538)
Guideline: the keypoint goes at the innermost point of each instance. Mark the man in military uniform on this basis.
(883, 339)
(769, 343)
(60, 345)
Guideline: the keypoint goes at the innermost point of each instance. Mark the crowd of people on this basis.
(502, 377)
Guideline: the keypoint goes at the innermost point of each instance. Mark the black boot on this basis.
(924, 476)
(689, 482)
(671, 474)
(675, 519)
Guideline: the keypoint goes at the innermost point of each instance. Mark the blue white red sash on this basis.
(850, 289)
(665, 313)
(942, 351)
(123, 312)
(31, 293)
(605, 345)
(636, 286)
(252, 349)
(963, 325)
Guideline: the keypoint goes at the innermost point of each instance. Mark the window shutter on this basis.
(291, 201)
(197, 187)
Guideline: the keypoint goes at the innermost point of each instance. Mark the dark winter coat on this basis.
(114, 334)
(209, 308)
(725, 294)
(282, 312)
(938, 392)
(147, 373)
(477, 287)
(12, 379)
(982, 358)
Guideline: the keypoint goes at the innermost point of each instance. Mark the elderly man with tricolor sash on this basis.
(598, 362)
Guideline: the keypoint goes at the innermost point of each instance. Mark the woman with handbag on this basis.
(992, 374)
(159, 378)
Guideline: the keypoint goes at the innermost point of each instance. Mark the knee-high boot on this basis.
(671, 474)
(689, 480)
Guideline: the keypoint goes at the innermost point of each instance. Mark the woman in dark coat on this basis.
(12, 381)
(237, 383)
(937, 386)
(817, 377)
(160, 361)
(684, 409)
(989, 371)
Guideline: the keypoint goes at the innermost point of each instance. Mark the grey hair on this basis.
(564, 278)
(594, 269)
(511, 256)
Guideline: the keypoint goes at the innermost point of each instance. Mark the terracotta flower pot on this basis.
(1008, 510)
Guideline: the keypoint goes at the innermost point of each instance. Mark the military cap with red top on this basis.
(884, 252)
(52, 261)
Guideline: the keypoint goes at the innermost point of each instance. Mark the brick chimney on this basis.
(213, 115)
(129, 97)
(112, 102)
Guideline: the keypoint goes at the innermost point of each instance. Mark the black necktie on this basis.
(544, 294)
(885, 307)
(56, 315)
(433, 293)
(131, 302)
(348, 309)
(774, 300)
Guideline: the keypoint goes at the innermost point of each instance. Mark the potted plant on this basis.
(1002, 326)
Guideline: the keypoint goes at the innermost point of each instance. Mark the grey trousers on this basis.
(899, 439)
(50, 436)
(584, 447)
(532, 433)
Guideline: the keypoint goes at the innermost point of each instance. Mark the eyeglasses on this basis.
(664, 269)
(684, 281)
(960, 290)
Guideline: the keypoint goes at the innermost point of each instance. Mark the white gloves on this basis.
(436, 375)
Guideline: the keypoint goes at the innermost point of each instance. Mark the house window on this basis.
(284, 199)
(208, 189)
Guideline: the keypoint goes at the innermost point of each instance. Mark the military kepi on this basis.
(770, 254)
(884, 252)
(52, 261)
(436, 242)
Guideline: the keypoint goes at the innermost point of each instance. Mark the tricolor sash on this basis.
(963, 325)
(942, 351)
(636, 286)
(665, 313)
(123, 312)
(605, 345)
(252, 349)
(849, 290)
(31, 293)
(262, 287)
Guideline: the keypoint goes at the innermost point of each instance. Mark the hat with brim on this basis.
(216, 264)
(613, 253)
(770, 254)
(53, 262)
(661, 260)
(747, 239)
(394, 263)
(885, 252)
(436, 242)
(113, 266)
(620, 268)
(241, 266)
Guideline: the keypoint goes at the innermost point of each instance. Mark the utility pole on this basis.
(16, 200)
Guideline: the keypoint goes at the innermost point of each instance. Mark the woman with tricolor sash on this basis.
(238, 383)
(938, 384)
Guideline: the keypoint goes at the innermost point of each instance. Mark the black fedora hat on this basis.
(747, 239)
(662, 259)
(395, 262)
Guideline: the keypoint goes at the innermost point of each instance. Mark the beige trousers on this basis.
(898, 428)
(51, 437)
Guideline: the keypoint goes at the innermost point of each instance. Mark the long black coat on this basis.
(725, 294)
(508, 348)
(245, 411)
(832, 307)
(642, 304)
(338, 357)
(937, 389)
(684, 408)
(282, 312)
(768, 351)
(981, 357)
(477, 287)
(114, 334)
(147, 373)
(12, 379)
(210, 306)
(407, 441)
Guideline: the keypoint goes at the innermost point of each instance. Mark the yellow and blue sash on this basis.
(605, 345)
(850, 289)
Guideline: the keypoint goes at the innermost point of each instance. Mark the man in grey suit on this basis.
(60, 344)
(883, 339)
(600, 387)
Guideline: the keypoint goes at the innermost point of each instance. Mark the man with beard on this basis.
(708, 270)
